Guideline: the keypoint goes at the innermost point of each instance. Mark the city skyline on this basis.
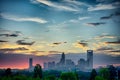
(46, 28)
(69, 65)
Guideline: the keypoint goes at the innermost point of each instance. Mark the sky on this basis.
(40, 28)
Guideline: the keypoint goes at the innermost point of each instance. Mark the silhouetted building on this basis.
(31, 67)
(62, 60)
(90, 59)
(30, 63)
(45, 65)
(82, 64)
(69, 62)
(51, 65)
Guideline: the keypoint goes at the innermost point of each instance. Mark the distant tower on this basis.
(30, 63)
(90, 59)
(62, 60)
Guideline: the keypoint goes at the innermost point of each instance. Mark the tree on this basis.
(68, 76)
(112, 71)
(50, 77)
(104, 72)
(93, 74)
(100, 78)
(38, 71)
(8, 72)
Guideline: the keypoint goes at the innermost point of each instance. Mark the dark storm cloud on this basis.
(22, 42)
(13, 49)
(113, 42)
(2, 41)
(96, 24)
(106, 17)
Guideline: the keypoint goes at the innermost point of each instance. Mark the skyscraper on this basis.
(30, 63)
(90, 59)
(62, 60)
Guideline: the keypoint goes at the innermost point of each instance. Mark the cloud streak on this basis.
(95, 24)
(84, 18)
(104, 49)
(58, 43)
(22, 19)
(21, 42)
(113, 42)
(56, 5)
(10, 35)
(82, 44)
(3, 41)
(106, 17)
(105, 37)
(8, 50)
(104, 6)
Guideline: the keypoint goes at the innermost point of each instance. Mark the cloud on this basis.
(56, 5)
(105, 1)
(106, 17)
(8, 50)
(104, 6)
(108, 50)
(22, 19)
(58, 43)
(78, 20)
(82, 44)
(95, 24)
(2, 41)
(39, 53)
(104, 37)
(75, 2)
(113, 42)
(115, 51)
(105, 49)
(54, 44)
(54, 52)
(83, 18)
(10, 35)
(117, 13)
(21, 42)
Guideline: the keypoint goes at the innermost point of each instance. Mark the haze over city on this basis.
(43, 29)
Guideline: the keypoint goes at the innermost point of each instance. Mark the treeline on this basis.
(110, 73)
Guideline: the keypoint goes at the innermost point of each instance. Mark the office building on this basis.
(90, 59)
